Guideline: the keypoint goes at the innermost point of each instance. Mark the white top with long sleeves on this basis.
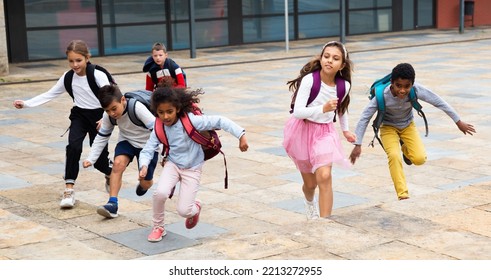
(136, 135)
(313, 111)
(83, 97)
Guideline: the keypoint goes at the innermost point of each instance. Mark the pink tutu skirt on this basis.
(312, 145)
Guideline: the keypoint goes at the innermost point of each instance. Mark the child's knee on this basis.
(119, 166)
(419, 160)
(160, 195)
(185, 212)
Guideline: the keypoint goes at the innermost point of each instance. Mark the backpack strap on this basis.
(91, 78)
(314, 90)
(170, 64)
(131, 108)
(160, 133)
(340, 92)
(316, 86)
(379, 95)
(155, 80)
(417, 106)
(68, 82)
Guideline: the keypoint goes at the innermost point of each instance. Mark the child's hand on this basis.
(465, 127)
(330, 105)
(355, 154)
(99, 124)
(350, 137)
(86, 164)
(143, 172)
(19, 104)
(243, 146)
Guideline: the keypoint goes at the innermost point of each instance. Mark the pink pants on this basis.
(171, 175)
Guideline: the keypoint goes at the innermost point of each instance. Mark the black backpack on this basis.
(90, 78)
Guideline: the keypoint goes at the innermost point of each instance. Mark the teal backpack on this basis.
(377, 91)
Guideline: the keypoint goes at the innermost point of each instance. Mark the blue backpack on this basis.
(377, 91)
(316, 87)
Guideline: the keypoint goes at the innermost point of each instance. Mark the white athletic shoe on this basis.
(68, 200)
(311, 209)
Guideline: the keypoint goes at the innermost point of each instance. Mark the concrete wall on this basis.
(448, 14)
(4, 60)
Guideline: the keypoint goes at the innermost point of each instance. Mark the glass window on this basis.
(370, 21)
(132, 11)
(180, 9)
(318, 25)
(363, 4)
(265, 7)
(210, 9)
(425, 13)
(317, 5)
(59, 13)
(132, 39)
(211, 33)
(50, 44)
(264, 29)
(180, 36)
(203, 9)
(408, 14)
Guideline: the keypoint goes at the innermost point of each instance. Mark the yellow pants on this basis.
(413, 149)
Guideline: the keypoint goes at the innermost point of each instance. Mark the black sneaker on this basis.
(406, 160)
(110, 210)
(140, 191)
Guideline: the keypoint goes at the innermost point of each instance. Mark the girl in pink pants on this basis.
(185, 157)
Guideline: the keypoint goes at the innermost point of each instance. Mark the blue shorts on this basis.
(125, 148)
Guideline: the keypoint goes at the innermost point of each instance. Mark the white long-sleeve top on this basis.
(83, 97)
(136, 135)
(313, 111)
(183, 151)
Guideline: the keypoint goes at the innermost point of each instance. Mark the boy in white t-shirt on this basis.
(132, 139)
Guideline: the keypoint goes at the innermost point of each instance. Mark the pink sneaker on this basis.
(193, 221)
(157, 234)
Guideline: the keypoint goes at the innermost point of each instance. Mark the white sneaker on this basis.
(68, 200)
(311, 209)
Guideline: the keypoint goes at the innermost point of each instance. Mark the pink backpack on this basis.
(209, 140)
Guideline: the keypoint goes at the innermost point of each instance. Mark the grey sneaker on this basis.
(311, 209)
(68, 200)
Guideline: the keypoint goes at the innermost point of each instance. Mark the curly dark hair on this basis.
(404, 71)
(184, 100)
(315, 64)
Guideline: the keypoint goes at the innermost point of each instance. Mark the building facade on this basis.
(40, 29)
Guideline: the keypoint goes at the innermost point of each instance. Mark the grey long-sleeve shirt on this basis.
(399, 112)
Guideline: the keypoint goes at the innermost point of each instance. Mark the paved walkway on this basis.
(261, 215)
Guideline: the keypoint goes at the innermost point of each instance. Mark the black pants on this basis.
(83, 121)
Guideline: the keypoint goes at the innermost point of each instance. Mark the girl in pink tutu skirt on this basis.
(310, 138)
